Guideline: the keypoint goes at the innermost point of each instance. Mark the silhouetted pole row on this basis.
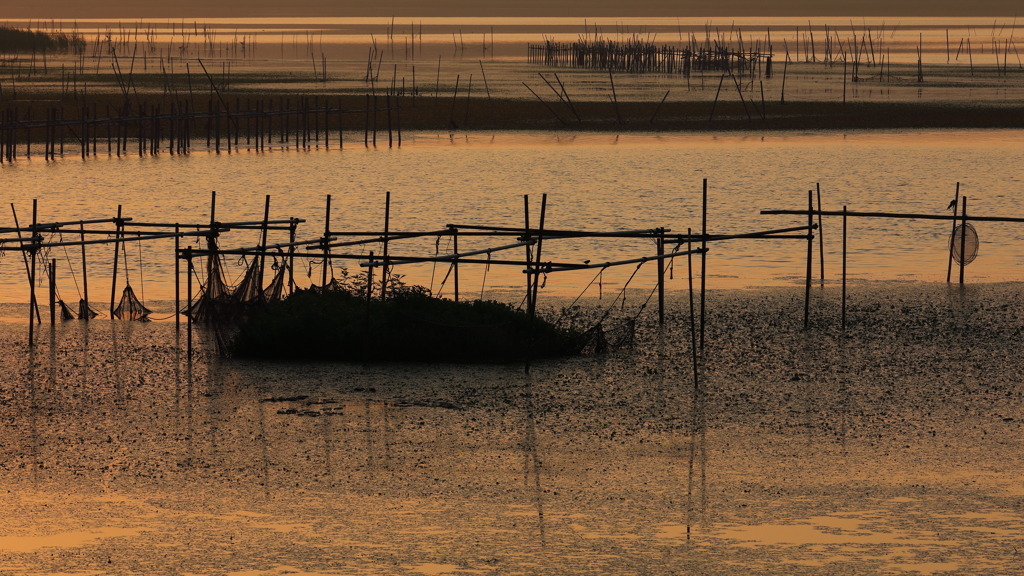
(306, 123)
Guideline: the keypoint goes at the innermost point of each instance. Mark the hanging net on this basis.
(130, 307)
(66, 313)
(967, 236)
(598, 340)
(275, 291)
(215, 301)
(249, 289)
(85, 312)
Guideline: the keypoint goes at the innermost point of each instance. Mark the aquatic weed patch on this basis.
(337, 325)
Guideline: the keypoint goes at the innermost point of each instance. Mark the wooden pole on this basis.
(963, 239)
(703, 256)
(387, 225)
(661, 277)
(177, 279)
(956, 207)
(810, 254)
(85, 279)
(263, 243)
(327, 249)
(455, 263)
(821, 240)
(188, 307)
(32, 310)
(53, 291)
(117, 247)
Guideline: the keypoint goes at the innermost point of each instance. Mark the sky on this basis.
(71, 9)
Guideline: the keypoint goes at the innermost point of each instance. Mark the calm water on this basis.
(593, 182)
(893, 449)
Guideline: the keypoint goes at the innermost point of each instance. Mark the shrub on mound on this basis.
(410, 326)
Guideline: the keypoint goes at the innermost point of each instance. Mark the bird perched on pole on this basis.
(952, 204)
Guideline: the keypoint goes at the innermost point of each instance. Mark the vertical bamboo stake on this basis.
(327, 250)
(53, 290)
(117, 247)
(703, 256)
(177, 279)
(661, 277)
(263, 244)
(387, 225)
(956, 206)
(821, 240)
(85, 279)
(32, 309)
(455, 262)
(188, 308)
(963, 239)
(540, 245)
(810, 254)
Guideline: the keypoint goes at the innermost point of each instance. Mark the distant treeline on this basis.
(18, 40)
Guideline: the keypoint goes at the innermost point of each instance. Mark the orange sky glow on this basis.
(69, 9)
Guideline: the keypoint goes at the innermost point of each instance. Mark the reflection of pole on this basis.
(952, 234)
(696, 388)
(188, 307)
(844, 268)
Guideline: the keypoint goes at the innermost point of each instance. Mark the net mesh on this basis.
(85, 312)
(66, 313)
(598, 340)
(966, 235)
(130, 307)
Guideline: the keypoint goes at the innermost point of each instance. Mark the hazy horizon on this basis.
(70, 9)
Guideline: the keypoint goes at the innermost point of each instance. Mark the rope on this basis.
(644, 305)
(566, 310)
(622, 293)
(142, 283)
(71, 268)
(484, 283)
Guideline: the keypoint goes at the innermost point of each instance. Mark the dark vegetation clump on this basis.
(18, 40)
(409, 326)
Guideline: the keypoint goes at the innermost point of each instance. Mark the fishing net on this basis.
(130, 307)
(598, 340)
(249, 289)
(66, 313)
(275, 291)
(966, 235)
(215, 301)
(85, 312)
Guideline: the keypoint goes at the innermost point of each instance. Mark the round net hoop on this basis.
(967, 236)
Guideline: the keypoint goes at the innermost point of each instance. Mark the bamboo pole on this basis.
(32, 309)
(821, 240)
(810, 253)
(956, 206)
(326, 248)
(703, 255)
(85, 278)
(387, 225)
(177, 280)
(117, 245)
(963, 239)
